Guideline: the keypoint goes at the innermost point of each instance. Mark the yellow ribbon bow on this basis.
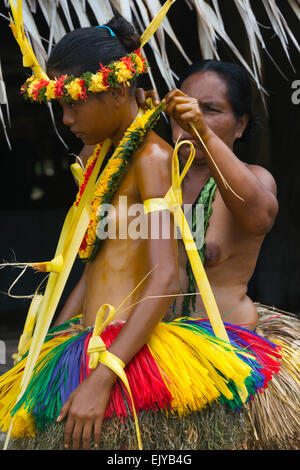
(98, 353)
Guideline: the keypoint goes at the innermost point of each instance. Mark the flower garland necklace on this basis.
(110, 176)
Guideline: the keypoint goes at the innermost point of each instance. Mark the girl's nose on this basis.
(68, 115)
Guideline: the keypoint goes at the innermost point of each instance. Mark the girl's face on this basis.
(210, 89)
(97, 118)
(93, 120)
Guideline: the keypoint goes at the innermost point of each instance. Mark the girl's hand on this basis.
(85, 408)
(141, 97)
(184, 109)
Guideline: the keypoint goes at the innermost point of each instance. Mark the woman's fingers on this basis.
(141, 97)
(154, 96)
(171, 95)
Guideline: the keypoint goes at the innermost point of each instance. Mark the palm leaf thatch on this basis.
(59, 17)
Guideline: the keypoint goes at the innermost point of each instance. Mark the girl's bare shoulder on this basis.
(153, 166)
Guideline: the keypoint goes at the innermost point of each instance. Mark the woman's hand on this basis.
(185, 110)
(142, 96)
(85, 408)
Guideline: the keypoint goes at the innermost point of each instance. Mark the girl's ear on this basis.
(119, 94)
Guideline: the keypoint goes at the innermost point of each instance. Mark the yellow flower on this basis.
(31, 86)
(122, 72)
(74, 88)
(139, 64)
(97, 83)
(50, 91)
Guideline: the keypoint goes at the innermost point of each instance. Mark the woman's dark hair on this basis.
(238, 87)
(83, 49)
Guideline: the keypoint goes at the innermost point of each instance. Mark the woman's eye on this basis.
(211, 109)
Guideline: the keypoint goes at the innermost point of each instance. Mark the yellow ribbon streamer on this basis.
(29, 58)
(30, 322)
(98, 353)
(72, 233)
(173, 202)
(55, 265)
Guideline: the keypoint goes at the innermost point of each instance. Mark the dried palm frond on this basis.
(4, 101)
(212, 29)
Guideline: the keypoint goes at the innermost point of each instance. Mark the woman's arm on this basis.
(258, 206)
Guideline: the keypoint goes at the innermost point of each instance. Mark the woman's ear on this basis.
(241, 126)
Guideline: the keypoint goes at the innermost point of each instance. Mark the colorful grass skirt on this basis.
(181, 369)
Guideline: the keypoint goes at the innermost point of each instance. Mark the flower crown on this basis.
(69, 88)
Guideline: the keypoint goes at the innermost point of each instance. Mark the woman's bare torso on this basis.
(230, 259)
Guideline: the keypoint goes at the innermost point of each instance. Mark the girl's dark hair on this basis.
(238, 87)
(83, 49)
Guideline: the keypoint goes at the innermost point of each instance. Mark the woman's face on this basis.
(210, 89)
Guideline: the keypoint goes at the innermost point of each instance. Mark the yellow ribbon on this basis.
(77, 172)
(30, 322)
(71, 236)
(98, 353)
(173, 202)
(54, 266)
(29, 58)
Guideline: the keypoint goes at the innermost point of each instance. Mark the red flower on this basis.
(83, 89)
(129, 64)
(83, 243)
(59, 86)
(38, 86)
(105, 72)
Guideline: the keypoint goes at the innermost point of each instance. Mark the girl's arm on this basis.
(87, 404)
